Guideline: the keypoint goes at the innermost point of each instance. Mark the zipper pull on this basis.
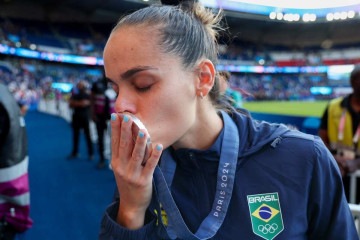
(276, 142)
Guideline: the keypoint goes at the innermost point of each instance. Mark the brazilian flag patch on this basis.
(265, 213)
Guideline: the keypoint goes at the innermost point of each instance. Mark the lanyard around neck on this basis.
(342, 125)
(164, 175)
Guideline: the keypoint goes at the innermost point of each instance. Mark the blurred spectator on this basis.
(14, 185)
(80, 103)
(233, 96)
(340, 131)
(58, 100)
(102, 102)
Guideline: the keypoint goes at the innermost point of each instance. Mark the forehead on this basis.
(136, 44)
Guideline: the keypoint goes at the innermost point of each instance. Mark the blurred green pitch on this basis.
(291, 108)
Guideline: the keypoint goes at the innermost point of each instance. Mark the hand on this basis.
(84, 103)
(352, 165)
(342, 163)
(134, 180)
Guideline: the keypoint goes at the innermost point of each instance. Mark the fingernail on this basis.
(141, 134)
(126, 118)
(113, 116)
(159, 147)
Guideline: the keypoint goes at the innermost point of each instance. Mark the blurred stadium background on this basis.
(284, 51)
(291, 56)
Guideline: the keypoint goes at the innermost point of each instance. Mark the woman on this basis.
(211, 174)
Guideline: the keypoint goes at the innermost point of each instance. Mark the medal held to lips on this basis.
(137, 125)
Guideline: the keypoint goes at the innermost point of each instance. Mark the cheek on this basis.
(171, 117)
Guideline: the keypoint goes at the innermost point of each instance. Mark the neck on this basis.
(203, 133)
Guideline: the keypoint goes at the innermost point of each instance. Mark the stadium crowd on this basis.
(88, 39)
(31, 80)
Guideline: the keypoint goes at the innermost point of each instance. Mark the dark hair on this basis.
(188, 30)
(225, 74)
(355, 73)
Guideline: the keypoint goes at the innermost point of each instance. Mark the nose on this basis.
(125, 102)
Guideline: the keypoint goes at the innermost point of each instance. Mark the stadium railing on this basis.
(353, 186)
(355, 210)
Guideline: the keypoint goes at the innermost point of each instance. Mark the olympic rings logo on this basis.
(265, 229)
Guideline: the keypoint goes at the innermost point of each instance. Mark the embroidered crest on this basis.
(164, 218)
(265, 213)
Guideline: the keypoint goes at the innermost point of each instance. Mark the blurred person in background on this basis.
(79, 102)
(102, 104)
(58, 100)
(14, 184)
(340, 131)
(19, 95)
(233, 96)
(212, 172)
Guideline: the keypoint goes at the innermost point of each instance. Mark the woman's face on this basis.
(151, 85)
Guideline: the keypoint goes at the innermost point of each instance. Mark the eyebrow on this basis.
(131, 72)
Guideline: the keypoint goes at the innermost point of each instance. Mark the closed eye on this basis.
(143, 89)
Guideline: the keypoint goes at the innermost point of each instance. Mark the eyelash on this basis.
(139, 89)
(143, 89)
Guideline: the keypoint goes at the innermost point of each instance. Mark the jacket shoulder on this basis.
(298, 134)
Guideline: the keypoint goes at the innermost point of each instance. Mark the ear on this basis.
(206, 77)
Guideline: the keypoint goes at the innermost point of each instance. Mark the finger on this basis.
(153, 160)
(126, 140)
(115, 135)
(138, 153)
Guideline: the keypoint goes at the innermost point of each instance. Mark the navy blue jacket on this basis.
(271, 159)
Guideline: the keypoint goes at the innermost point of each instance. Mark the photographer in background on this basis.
(80, 103)
(102, 104)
